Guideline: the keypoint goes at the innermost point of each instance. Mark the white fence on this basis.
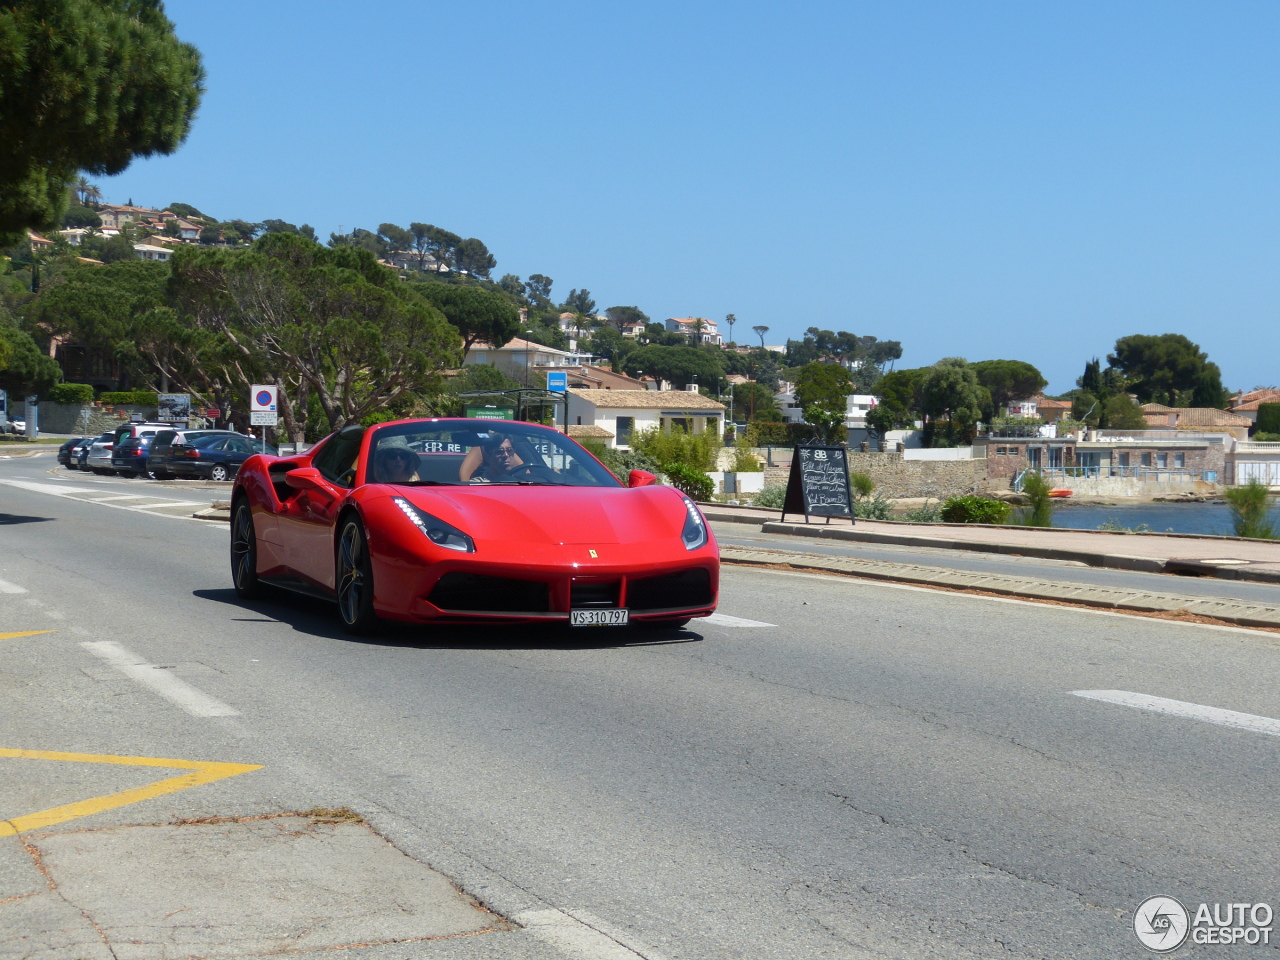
(938, 453)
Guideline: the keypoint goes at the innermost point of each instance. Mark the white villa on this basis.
(619, 413)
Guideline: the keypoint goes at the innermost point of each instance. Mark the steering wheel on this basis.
(531, 471)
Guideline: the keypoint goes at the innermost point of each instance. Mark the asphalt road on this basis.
(870, 771)
(749, 535)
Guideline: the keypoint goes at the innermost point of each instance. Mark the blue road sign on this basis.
(558, 381)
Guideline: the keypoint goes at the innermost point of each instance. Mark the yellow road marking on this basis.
(202, 772)
(24, 633)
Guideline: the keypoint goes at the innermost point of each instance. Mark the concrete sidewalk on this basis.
(1228, 558)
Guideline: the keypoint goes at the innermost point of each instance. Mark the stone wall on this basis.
(895, 477)
(69, 418)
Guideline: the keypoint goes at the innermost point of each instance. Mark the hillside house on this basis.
(622, 412)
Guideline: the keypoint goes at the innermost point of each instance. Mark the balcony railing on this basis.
(1143, 474)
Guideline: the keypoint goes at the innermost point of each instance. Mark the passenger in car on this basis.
(396, 465)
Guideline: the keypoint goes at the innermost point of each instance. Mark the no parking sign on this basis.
(263, 408)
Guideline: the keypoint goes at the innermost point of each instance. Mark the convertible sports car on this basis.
(452, 521)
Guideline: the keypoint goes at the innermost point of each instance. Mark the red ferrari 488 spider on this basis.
(450, 520)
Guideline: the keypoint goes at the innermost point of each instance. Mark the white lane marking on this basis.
(724, 620)
(1189, 711)
(573, 938)
(7, 587)
(173, 689)
(46, 487)
(70, 493)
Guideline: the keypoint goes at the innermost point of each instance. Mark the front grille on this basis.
(688, 588)
(481, 594)
(588, 594)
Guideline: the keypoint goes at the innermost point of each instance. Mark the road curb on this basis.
(1092, 558)
(1237, 612)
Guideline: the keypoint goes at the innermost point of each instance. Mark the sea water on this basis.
(1203, 518)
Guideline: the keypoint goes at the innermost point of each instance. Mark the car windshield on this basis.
(467, 452)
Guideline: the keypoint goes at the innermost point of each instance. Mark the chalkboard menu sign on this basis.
(819, 483)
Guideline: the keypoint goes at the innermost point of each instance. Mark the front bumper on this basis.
(463, 589)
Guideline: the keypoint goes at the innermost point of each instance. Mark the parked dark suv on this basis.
(129, 458)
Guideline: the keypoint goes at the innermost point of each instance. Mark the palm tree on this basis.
(696, 329)
(760, 332)
(86, 191)
(730, 319)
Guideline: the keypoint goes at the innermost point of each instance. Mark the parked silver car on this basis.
(99, 459)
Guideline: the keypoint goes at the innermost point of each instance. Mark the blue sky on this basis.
(979, 179)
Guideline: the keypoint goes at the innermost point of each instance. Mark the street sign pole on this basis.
(263, 407)
(558, 382)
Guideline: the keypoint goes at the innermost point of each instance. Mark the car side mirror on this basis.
(641, 478)
(307, 478)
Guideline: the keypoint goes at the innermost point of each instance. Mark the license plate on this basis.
(597, 618)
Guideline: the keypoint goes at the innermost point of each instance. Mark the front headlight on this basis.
(694, 534)
(436, 530)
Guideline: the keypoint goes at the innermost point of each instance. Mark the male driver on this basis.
(494, 459)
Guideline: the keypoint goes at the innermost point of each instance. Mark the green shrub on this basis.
(764, 433)
(1040, 511)
(619, 462)
(1268, 418)
(972, 509)
(1113, 525)
(861, 485)
(1265, 437)
(142, 398)
(744, 461)
(771, 497)
(691, 481)
(71, 393)
(381, 416)
(669, 447)
(1250, 506)
(925, 513)
(873, 508)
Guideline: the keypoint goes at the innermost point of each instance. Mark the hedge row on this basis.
(143, 398)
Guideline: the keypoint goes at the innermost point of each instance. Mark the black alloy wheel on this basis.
(244, 553)
(355, 579)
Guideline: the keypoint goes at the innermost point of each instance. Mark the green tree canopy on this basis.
(950, 391)
(681, 365)
(822, 390)
(579, 301)
(86, 85)
(1159, 368)
(538, 288)
(24, 368)
(755, 401)
(97, 306)
(620, 317)
(328, 323)
(479, 314)
(394, 237)
(1120, 412)
(473, 257)
(901, 393)
(1009, 380)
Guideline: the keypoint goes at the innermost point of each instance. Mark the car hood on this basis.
(554, 514)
